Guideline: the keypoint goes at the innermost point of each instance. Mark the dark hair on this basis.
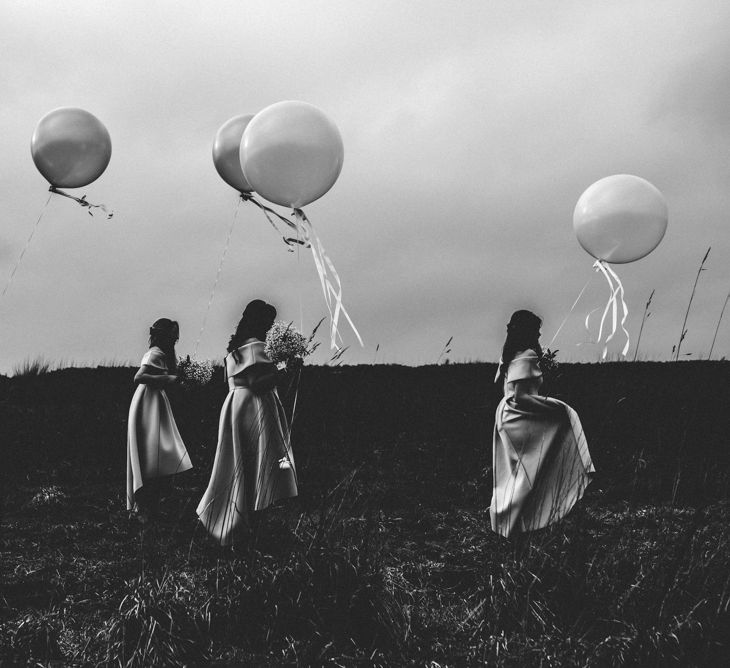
(256, 320)
(164, 333)
(523, 332)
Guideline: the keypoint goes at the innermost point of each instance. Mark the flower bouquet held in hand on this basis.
(287, 347)
(550, 368)
(194, 373)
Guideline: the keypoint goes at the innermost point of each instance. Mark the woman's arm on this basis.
(154, 377)
(261, 377)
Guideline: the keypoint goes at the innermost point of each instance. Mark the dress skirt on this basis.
(247, 475)
(541, 463)
(154, 445)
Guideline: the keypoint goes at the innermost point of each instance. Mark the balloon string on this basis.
(577, 299)
(328, 278)
(82, 201)
(25, 248)
(617, 290)
(217, 278)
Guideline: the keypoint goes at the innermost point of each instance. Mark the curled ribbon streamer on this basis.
(587, 321)
(82, 201)
(328, 278)
(620, 290)
(610, 304)
(616, 291)
(268, 212)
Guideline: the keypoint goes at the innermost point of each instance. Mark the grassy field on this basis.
(386, 557)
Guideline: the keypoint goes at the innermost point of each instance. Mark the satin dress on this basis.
(154, 445)
(541, 463)
(254, 464)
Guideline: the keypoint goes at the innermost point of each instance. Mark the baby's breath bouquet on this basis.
(550, 368)
(286, 346)
(548, 362)
(195, 372)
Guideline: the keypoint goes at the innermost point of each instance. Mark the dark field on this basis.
(386, 557)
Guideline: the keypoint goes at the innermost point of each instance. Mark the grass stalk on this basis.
(689, 305)
(643, 320)
(446, 350)
(719, 320)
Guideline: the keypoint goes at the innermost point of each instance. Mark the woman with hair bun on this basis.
(541, 463)
(254, 465)
(155, 448)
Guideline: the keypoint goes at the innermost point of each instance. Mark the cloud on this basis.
(470, 131)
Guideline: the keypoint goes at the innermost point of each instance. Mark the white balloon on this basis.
(226, 152)
(70, 147)
(291, 153)
(620, 218)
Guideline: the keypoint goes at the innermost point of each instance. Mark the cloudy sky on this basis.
(470, 130)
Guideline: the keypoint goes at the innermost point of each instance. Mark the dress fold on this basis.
(541, 462)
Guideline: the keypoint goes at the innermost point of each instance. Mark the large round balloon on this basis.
(291, 153)
(226, 152)
(70, 147)
(620, 218)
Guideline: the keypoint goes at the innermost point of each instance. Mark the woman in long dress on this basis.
(541, 463)
(155, 448)
(254, 465)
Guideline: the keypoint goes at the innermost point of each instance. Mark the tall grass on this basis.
(644, 317)
(387, 557)
(683, 332)
(717, 328)
(32, 367)
(320, 591)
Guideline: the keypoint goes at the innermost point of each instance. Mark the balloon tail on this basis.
(328, 278)
(82, 201)
(624, 307)
(25, 248)
(587, 324)
(617, 291)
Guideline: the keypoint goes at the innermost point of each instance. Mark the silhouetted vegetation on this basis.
(386, 557)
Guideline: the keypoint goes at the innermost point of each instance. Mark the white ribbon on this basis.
(617, 291)
(328, 278)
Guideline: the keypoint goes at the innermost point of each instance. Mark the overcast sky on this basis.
(470, 130)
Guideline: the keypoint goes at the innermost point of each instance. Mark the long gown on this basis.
(254, 464)
(541, 463)
(154, 445)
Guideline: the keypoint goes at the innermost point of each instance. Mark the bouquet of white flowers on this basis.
(548, 362)
(195, 372)
(286, 346)
(551, 371)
